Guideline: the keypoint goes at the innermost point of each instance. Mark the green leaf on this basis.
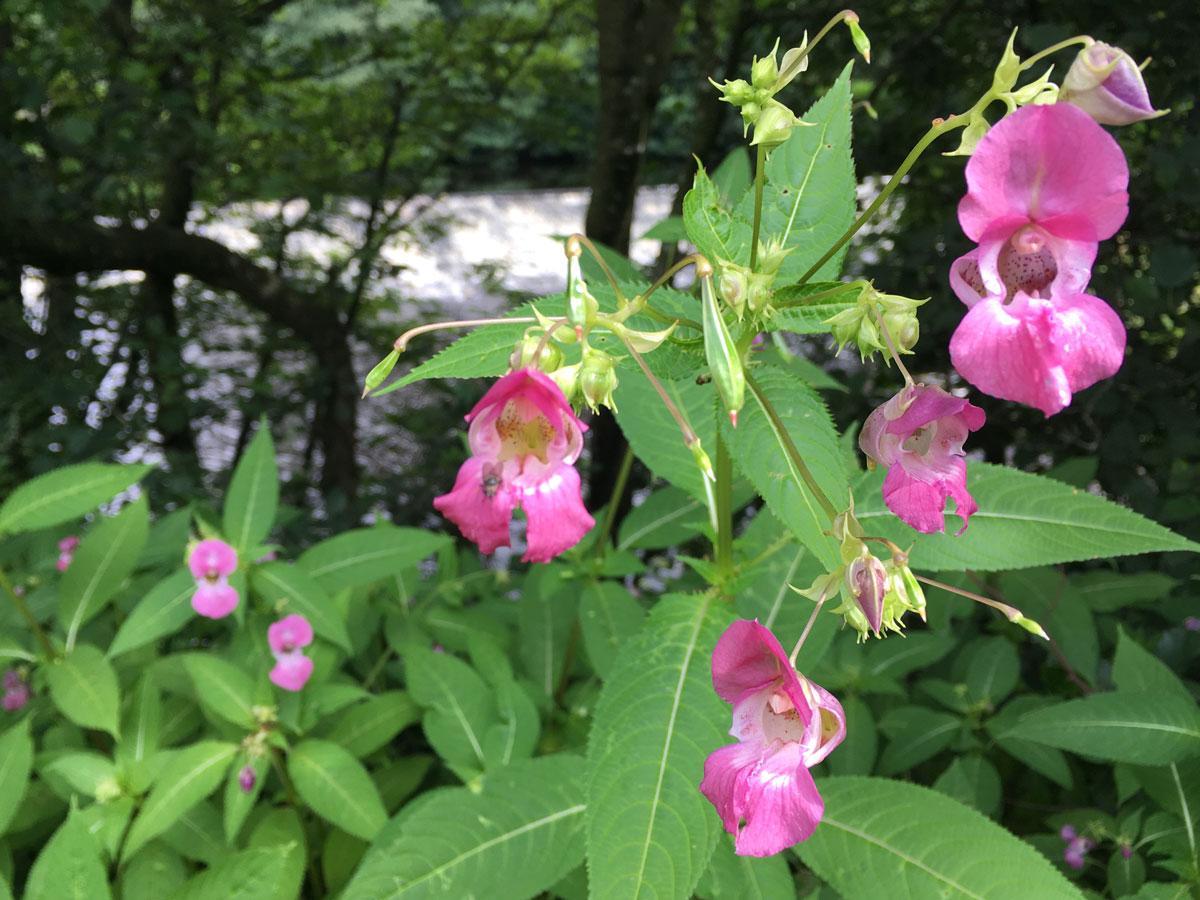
(301, 594)
(69, 867)
(154, 873)
(189, 775)
(733, 877)
(64, 494)
(248, 875)
(515, 735)
(481, 353)
(809, 199)
(365, 727)
(368, 554)
(105, 558)
(734, 175)
(1023, 520)
(654, 435)
(993, 669)
(163, 611)
(84, 688)
(544, 619)
(1047, 596)
(337, 787)
(1046, 760)
(921, 845)
(238, 803)
(283, 829)
(458, 705)
(1109, 591)
(757, 446)
(856, 755)
(608, 617)
(810, 317)
(514, 838)
(666, 518)
(650, 831)
(972, 780)
(915, 734)
(1137, 669)
(1151, 729)
(717, 233)
(222, 688)
(84, 772)
(253, 494)
(16, 761)
(668, 230)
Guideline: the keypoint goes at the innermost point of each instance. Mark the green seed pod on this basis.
(724, 361)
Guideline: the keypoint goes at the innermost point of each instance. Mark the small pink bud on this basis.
(1073, 859)
(247, 778)
(1192, 623)
(867, 580)
(1068, 833)
(1107, 84)
(1126, 851)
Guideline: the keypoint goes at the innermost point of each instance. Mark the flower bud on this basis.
(771, 255)
(1107, 84)
(773, 125)
(526, 356)
(904, 330)
(567, 379)
(903, 595)
(597, 380)
(867, 582)
(764, 72)
(733, 287)
(737, 92)
(108, 789)
(382, 370)
(1008, 69)
(247, 779)
(862, 43)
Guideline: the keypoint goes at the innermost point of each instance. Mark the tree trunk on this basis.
(635, 39)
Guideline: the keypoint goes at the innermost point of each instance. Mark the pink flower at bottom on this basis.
(287, 638)
(66, 552)
(211, 562)
(16, 691)
(918, 436)
(785, 724)
(524, 439)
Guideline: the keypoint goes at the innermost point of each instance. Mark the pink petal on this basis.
(782, 805)
(748, 660)
(538, 388)
(214, 600)
(212, 559)
(922, 504)
(289, 633)
(68, 544)
(482, 519)
(932, 403)
(1052, 165)
(965, 279)
(291, 671)
(726, 771)
(1038, 352)
(827, 729)
(553, 505)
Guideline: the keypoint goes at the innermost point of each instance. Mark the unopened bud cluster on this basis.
(864, 324)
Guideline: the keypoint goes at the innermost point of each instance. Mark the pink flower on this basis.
(1192, 623)
(1107, 84)
(286, 638)
(918, 436)
(66, 552)
(785, 724)
(16, 691)
(524, 438)
(1044, 187)
(211, 563)
(247, 779)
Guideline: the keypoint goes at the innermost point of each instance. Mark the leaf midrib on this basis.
(55, 496)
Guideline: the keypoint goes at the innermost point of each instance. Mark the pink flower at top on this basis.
(1107, 84)
(918, 436)
(1044, 187)
(524, 439)
(211, 563)
(66, 552)
(785, 724)
(287, 638)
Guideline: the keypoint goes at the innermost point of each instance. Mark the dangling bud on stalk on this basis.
(581, 305)
(724, 361)
(380, 373)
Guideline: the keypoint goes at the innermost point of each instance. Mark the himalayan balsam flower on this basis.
(1192, 623)
(1044, 187)
(211, 563)
(785, 724)
(1107, 84)
(287, 638)
(918, 436)
(16, 691)
(247, 778)
(524, 438)
(66, 552)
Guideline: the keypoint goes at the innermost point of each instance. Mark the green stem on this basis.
(1054, 48)
(789, 447)
(760, 179)
(935, 132)
(28, 616)
(829, 26)
(614, 501)
(724, 536)
(608, 273)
